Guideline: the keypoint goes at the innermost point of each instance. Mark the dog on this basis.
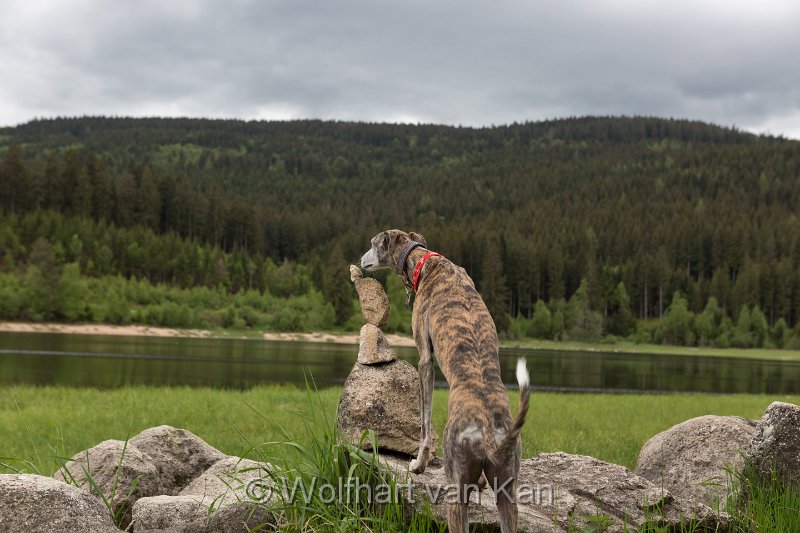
(450, 321)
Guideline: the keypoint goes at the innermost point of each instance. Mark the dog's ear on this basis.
(419, 238)
(385, 240)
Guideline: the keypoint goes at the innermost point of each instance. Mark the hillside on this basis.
(529, 209)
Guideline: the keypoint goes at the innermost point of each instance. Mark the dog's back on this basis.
(464, 340)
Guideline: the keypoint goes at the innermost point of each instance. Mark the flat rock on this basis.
(559, 492)
(776, 443)
(39, 504)
(187, 514)
(373, 346)
(690, 458)
(171, 513)
(372, 297)
(240, 517)
(384, 398)
(225, 482)
(179, 455)
(122, 482)
(584, 487)
(430, 488)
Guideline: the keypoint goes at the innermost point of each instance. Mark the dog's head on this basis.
(386, 246)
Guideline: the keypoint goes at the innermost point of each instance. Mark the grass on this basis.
(291, 428)
(610, 427)
(663, 349)
(764, 504)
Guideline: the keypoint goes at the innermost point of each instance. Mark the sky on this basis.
(459, 62)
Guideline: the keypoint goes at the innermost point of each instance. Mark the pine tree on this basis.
(15, 187)
(338, 287)
(493, 287)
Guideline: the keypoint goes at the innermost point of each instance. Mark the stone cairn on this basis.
(381, 393)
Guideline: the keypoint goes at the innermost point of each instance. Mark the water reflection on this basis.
(114, 361)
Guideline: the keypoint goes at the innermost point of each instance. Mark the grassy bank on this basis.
(623, 346)
(610, 427)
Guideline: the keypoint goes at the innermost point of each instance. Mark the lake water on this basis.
(114, 361)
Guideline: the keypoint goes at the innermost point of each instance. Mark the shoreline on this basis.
(352, 338)
(155, 331)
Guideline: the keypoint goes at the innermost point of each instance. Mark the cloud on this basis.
(466, 62)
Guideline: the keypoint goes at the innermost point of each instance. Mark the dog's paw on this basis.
(417, 467)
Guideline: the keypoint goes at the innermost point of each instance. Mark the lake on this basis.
(107, 361)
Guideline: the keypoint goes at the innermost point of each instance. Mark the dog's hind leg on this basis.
(425, 369)
(463, 464)
(502, 481)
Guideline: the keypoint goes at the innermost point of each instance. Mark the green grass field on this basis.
(67, 420)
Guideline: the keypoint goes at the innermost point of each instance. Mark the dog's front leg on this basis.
(425, 406)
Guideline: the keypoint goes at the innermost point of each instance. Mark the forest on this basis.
(649, 229)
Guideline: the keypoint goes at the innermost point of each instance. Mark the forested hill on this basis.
(529, 209)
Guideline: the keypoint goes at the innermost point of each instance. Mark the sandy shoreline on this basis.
(153, 331)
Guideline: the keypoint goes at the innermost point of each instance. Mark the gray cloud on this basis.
(467, 62)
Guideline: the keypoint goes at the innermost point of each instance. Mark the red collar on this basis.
(418, 267)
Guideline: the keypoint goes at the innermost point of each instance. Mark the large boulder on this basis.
(776, 443)
(373, 347)
(559, 492)
(372, 297)
(120, 471)
(384, 398)
(38, 504)
(178, 454)
(692, 459)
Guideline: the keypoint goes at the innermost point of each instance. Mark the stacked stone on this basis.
(373, 347)
(381, 393)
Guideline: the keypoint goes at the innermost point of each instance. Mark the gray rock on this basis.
(171, 513)
(179, 455)
(691, 458)
(38, 504)
(585, 487)
(122, 484)
(225, 482)
(776, 443)
(187, 514)
(242, 517)
(431, 489)
(372, 297)
(557, 491)
(373, 347)
(384, 398)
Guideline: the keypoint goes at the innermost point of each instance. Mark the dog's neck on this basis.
(413, 257)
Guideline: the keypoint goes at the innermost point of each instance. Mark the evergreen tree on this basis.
(676, 326)
(743, 334)
(15, 186)
(759, 327)
(493, 287)
(620, 320)
(338, 287)
(71, 293)
(706, 323)
(542, 321)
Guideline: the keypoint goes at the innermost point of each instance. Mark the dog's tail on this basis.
(506, 448)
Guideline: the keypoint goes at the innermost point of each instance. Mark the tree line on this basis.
(533, 211)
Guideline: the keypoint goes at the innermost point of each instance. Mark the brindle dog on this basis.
(451, 321)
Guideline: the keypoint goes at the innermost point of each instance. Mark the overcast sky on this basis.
(731, 62)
